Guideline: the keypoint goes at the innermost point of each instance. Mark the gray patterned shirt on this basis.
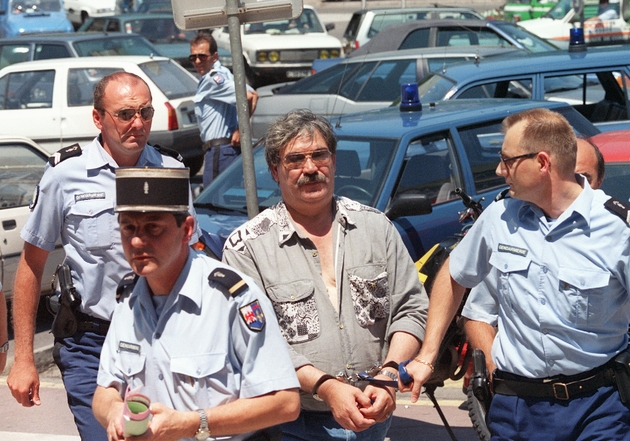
(377, 283)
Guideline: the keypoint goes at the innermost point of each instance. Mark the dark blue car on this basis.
(407, 164)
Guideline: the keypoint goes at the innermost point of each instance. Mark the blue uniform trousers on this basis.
(77, 358)
(598, 416)
(217, 159)
(321, 426)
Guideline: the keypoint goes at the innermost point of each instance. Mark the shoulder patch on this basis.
(502, 195)
(619, 208)
(229, 279)
(65, 153)
(168, 152)
(125, 286)
(253, 316)
(218, 78)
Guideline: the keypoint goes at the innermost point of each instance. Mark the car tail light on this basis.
(172, 117)
(356, 44)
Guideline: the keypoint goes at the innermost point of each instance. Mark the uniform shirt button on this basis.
(292, 297)
(158, 335)
(314, 253)
(161, 377)
(544, 269)
(543, 301)
(340, 326)
(348, 366)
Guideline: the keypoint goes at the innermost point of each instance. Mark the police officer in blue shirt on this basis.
(215, 107)
(75, 201)
(195, 337)
(553, 259)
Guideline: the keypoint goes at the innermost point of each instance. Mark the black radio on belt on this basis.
(65, 323)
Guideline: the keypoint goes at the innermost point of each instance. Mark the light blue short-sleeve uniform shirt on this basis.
(557, 289)
(75, 201)
(206, 348)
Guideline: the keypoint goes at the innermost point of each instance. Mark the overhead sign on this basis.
(203, 14)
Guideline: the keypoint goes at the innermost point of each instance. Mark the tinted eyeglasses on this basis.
(506, 160)
(202, 57)
(126, 115)
(297, 160)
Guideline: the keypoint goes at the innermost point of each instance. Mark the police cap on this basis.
(152, 189)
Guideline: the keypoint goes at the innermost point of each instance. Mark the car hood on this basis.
(296, 41)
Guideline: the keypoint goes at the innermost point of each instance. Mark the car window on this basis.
(384, 20)
(97, 25)
(172, 79)
(353, 26)
(81, 84)
(504, 88)
(600, 96)
(14, 53)
(35, 6)
(124, 45)
(113, 26)
(435, 87)
(428, 169)
(50, 51)
(326, 81)
(21, 168)
(384, 83)
(354, 84)
(24, 90)
(482, 144)
(307, 22)
(528, 40)
(415, 39)
(469, 37)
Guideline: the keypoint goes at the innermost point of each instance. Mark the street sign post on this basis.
(204, 14)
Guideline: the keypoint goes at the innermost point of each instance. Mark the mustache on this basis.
(311, 178)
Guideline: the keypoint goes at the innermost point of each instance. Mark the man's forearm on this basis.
(481, 336)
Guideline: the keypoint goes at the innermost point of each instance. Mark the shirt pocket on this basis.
(509, 266)
(296, 310)
(585, 294)
(369, 286)
(194, 375)
(92, 222)
(131, 364)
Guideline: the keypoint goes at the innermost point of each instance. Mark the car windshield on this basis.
(529, 41)
(172, 79)
(361, 168)
(158, 30)
(434, 87)
(616, 181)
(307, 22)
(123, 45)
(34, 6)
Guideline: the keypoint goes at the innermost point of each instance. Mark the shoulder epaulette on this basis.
(65, 153)
(125, 286)
(168, 152)
(231, 280)
(502, 195)
(619, 208)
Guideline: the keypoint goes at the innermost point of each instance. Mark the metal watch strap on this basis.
(203, 433)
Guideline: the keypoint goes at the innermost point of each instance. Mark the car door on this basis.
(77, 89)
(29, 106)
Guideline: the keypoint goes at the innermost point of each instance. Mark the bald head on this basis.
(589, 162)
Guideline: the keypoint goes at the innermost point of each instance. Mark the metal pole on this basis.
(238, 67)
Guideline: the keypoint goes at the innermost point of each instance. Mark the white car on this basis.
(283, 50)
(51, 101)
(555, 26)
(79, 10)
(21, 166)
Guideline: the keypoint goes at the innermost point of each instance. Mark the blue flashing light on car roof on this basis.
(576, 40)
(409, 98)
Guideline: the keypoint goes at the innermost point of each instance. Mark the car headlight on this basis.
(324, 54)
(262, 57)
(274, 56)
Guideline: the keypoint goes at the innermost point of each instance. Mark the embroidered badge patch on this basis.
(512, 250)
(35, 198)
(218, 78)
(89, 196)
(253, 316)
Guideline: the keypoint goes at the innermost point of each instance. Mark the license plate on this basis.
(298, 73)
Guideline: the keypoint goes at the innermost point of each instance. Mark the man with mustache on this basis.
(344, 288)
(74, 201)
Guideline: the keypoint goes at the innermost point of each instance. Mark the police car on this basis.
(406, 163)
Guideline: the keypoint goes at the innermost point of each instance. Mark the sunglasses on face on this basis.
(126, 115)
(297, 160)
(202, 57)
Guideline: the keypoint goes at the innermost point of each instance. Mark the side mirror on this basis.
(409, 205)
(330, 26)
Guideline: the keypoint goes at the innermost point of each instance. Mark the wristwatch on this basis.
(4, 348)
(203, 433)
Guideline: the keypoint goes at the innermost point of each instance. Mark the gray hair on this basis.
(300, 123)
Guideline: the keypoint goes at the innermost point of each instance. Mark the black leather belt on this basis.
(561, 388)
(87, 323)
(215, 143)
